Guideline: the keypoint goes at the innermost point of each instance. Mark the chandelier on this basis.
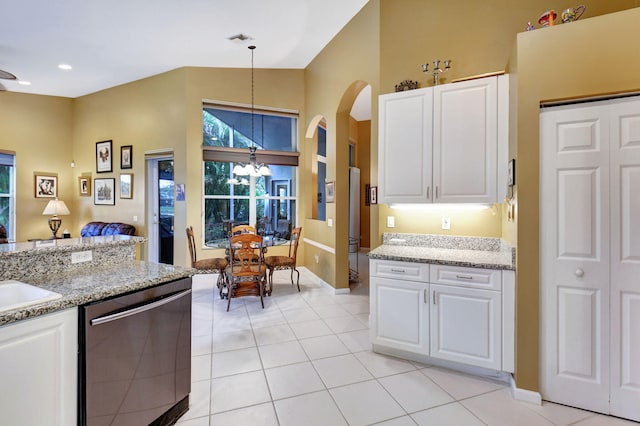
(252, 168)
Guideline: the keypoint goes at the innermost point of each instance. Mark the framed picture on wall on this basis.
(104, 156)
(104, 191)
(126, 185)
(84, 183)
(126, 157)
(45, 185)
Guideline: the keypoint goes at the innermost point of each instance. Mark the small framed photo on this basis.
(373, 195)
(511, 172)
(104, 156)
(84, 183)
(126, 185)
(126, 157)
(329, 190)
(45, 185)
(104, 191)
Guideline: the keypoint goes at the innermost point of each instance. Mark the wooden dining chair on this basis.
(208, 266)
(246, 274)
(275, 263)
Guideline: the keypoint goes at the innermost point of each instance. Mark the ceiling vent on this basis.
(240, 38)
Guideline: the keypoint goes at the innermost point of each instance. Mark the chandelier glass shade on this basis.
(252, 168)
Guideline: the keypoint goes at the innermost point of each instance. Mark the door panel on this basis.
(625, 259)
(465, 325)
(574, 256)
(465, 127)
(400, 315)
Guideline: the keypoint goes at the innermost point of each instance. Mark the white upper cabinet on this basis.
(404, 160)
(444, 144)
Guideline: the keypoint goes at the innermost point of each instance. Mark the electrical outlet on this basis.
(317, 258)
(329, 222)
(81, 256)
(391, 221)
(135, 218)
(446, 223)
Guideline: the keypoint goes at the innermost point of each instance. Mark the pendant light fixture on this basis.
(252, 168)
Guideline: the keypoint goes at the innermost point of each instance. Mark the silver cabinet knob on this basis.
(579, 273)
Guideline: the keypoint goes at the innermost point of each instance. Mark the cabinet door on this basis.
(466, 326)
(465, 132)
(39, 369)
(404, 154)
(399, 314)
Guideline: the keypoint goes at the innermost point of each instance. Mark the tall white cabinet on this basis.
(444, 144)
(590, 256)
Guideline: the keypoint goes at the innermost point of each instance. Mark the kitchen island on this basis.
(45, 348)
(445, 301)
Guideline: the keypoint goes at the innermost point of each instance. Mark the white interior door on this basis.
(574, 256)
(625, 259)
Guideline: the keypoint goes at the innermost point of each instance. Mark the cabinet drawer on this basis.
(409, 271)
(488, 279)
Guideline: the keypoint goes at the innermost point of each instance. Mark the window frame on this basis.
(8, 158)
(241, 154)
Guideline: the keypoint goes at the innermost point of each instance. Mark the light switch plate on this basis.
(446, 223)
(329, 222)
(391, 221)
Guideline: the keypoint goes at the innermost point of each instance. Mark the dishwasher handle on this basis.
(138, 309)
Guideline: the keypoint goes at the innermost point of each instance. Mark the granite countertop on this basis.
(66, 244)
(474, 252)
(84, 286)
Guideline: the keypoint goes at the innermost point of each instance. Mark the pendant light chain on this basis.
(252, 97)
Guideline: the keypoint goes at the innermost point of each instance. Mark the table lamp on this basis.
(55, 207)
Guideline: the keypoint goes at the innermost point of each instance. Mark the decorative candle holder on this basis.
(437, 70)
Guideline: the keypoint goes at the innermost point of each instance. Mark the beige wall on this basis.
(38, 130)
(478, 37)
(333, 80)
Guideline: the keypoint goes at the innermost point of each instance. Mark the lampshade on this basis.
(56, 207)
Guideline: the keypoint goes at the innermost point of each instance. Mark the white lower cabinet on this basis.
(399, 314)
(442, 312)
(38, 370)
(465, 326)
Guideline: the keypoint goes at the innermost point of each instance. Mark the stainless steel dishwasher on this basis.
(135, 357)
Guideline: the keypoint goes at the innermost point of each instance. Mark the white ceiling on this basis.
(109, 43)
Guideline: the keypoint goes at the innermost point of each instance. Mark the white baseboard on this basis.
(525, 395)
(325, 284)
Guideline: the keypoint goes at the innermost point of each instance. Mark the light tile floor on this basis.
(305, 359)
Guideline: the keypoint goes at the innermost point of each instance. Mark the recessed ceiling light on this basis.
(24, 82)
(65, 67)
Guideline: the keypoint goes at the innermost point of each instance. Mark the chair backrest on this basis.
(243, 229)
(246, 249)
(192, 245)
(3, 234)
(293, 242)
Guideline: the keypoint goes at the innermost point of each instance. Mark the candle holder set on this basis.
(436, 71)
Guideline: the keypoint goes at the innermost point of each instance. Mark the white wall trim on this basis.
(525, 395)
(319, 245)
(325, 284)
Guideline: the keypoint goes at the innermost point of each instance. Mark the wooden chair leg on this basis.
(228, 298)
(298, 277)
(270, 280)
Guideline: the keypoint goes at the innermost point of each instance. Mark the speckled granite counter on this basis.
(18, 261)
(83, 286)
(475, 252)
